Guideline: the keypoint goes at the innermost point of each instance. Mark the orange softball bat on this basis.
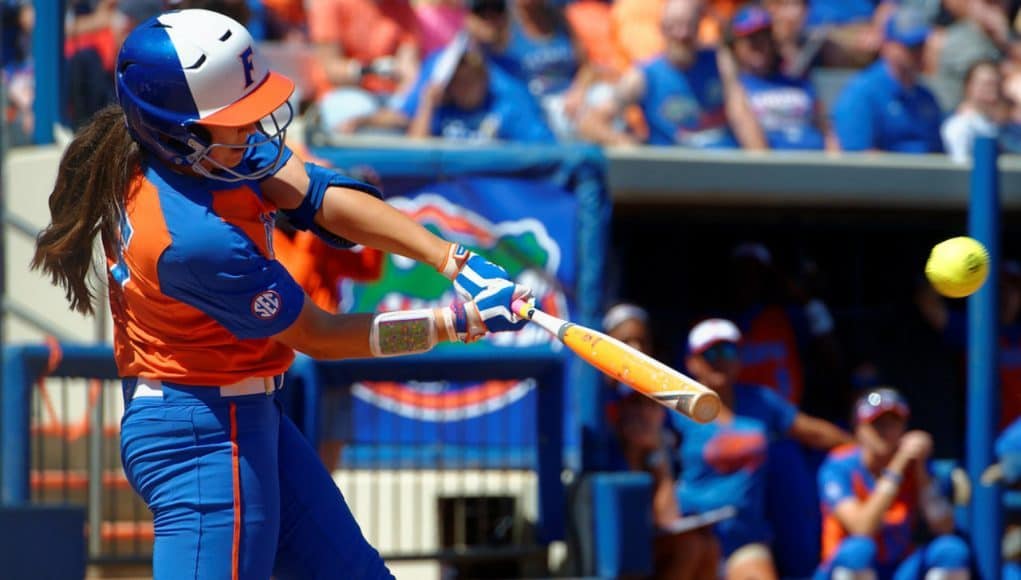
(635, 369)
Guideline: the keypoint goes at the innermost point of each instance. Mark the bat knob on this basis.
(705, 407)
(523, 309)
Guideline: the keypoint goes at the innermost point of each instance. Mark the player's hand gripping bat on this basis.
(629, 366)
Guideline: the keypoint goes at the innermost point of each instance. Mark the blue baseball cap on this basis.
(748, 21)
(907, 26)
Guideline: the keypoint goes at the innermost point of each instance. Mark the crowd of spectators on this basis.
(912, 76)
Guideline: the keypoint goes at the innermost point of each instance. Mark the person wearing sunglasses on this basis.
(724, 462)
(873, 494)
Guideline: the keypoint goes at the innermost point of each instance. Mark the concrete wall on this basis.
(29, 175)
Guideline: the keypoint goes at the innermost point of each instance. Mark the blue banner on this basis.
(528, 226)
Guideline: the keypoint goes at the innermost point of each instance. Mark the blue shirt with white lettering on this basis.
(786, 110)
(546, 65)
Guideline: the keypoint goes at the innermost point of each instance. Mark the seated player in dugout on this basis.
(181, 182)
(876, 490)
(1007, 471)
(646, 444)
(723, 462)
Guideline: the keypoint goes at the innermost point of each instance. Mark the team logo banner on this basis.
(526, 226)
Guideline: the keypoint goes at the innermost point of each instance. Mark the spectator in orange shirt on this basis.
(369, 51)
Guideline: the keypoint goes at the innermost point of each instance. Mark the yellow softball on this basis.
(957, 267)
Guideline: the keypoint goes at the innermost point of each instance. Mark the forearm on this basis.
(326, 336)
(597, 127)
(746, 127)
(870, 519)
(664, 501)
(339, 70)
(935, 508)
(421, 124)
(830, 436)
(369, 221)
(407, 67)
(817, 433)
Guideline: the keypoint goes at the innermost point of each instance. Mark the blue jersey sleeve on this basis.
(834, 484)
(224, 275)
(853, 120)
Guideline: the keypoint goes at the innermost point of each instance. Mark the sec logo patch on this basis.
(266, 305)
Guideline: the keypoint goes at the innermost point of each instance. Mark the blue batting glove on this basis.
(477, 275)
(494, 305)
(486, 286)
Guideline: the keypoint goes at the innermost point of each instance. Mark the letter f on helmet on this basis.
(249, 65)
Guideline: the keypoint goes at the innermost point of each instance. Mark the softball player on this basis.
(182, 181)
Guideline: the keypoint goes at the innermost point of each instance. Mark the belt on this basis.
(250, 386)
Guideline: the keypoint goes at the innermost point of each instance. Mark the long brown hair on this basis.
(88, 198)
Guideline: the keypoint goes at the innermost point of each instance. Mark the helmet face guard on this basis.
(271, 131)
(184, 70)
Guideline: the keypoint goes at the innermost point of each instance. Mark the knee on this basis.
(856, 553)
(948, 553)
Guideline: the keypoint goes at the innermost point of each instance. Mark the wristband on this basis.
(892, 476)
(457, 255)
(819, 319)
(887, 486)
(410, 331)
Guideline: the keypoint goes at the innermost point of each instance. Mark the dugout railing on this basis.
(459, 505)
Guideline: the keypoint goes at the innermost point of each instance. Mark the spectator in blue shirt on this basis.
(464, 98)
(681, 93)
(724, 462)
(546, 57)
(786, 108)
(884, 108)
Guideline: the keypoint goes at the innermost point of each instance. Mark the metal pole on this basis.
(48, 55)
(96, 474)
(986, 522)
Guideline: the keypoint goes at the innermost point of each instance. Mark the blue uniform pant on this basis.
(858, 553)
(236, 491)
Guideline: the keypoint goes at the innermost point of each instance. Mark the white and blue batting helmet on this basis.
(181, 70)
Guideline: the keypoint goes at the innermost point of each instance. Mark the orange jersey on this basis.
(843, 476)
(769, 354)
(195, 291)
